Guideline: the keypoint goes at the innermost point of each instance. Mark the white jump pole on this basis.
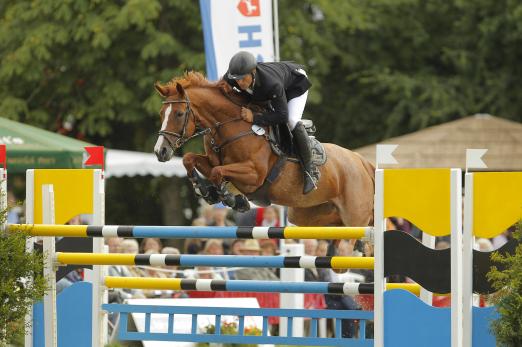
(49, 251)
(292, 300)
(456, 258)
(29, 247)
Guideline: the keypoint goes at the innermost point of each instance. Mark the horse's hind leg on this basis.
(321, 215)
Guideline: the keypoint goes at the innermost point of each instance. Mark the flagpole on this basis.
(276, 29)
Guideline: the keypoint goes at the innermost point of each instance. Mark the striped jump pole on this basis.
(251, 286)
(305, 262)
(194, 232)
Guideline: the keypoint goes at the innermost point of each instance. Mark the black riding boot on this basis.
(305, 153)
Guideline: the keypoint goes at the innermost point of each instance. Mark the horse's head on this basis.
(178, 121)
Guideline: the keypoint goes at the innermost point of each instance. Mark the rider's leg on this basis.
(295, 113)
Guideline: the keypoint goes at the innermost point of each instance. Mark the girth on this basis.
(260, 195)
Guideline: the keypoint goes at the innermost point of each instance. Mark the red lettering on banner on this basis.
(249, 8)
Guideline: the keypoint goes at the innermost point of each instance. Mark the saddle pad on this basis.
(318, 152)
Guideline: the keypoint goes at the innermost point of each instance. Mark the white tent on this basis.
(120, 163)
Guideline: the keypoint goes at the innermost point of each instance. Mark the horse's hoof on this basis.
(212, 196)
(241, 203)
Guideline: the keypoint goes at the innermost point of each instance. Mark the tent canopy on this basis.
(29, 147)
(445, 145)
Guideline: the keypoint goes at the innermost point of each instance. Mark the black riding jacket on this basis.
(276, 82)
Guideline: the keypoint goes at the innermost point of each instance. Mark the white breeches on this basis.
(296, 107)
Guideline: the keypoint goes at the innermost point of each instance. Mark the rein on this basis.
(182, 140)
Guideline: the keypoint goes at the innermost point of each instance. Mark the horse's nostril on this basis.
(163, 152)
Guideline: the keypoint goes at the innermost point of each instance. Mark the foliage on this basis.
(388, 67)
(17, 292)
(230, 328)
(379, 68)
(94, 63)
(508, 299)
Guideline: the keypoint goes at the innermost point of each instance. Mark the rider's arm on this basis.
(278, 115)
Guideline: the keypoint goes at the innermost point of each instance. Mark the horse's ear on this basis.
(180, 89)
(161, 89)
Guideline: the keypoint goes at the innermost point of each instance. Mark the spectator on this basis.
(219, 216)
(15, 210)
(128, 246)
(268, 247)
(114, 244)
(270, 218)
(203, 272)
(131, 246)
(310, 246)
(151, 245)
(235, 247)
(213, 247)
(206, 213)
(251, 247)
(171, 251)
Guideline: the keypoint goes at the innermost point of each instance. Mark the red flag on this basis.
(3, 157)
(95, 156)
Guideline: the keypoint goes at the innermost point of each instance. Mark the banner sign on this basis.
(230, 26)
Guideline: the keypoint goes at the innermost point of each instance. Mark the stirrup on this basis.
(312, 178)
(307, 180)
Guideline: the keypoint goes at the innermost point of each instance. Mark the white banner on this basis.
(230, 26)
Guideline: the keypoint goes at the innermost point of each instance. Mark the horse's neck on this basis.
(214, 108)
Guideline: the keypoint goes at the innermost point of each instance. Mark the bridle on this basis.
(181, 139)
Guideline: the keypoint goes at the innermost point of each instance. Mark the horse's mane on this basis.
(197, 79)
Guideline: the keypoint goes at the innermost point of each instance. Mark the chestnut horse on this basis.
(345, 192)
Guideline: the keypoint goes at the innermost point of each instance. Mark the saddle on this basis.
(280, 138)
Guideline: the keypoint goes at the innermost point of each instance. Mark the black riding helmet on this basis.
(241, 64)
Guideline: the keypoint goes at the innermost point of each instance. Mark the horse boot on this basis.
(310, 172)
(237, 202)
(204, 188)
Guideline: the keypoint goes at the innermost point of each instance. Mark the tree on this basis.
(508, 283)
(95, 63)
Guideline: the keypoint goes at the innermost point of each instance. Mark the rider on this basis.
(285, 85)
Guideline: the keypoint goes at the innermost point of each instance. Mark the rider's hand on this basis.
(247, 115)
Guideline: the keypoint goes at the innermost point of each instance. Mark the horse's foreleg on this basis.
(202, 186)
(201, 162)
(240, 173)
(243, 174)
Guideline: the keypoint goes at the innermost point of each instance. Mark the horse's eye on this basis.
(179, 113)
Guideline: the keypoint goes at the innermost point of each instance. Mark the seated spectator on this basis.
(213, 247)
(270, 217)
(235, 247)
(114, 244)
(151, 245)
(310, 247)
(131, 246)
(251, 247)
(268, 247)
(219, 216)
(128, 246)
